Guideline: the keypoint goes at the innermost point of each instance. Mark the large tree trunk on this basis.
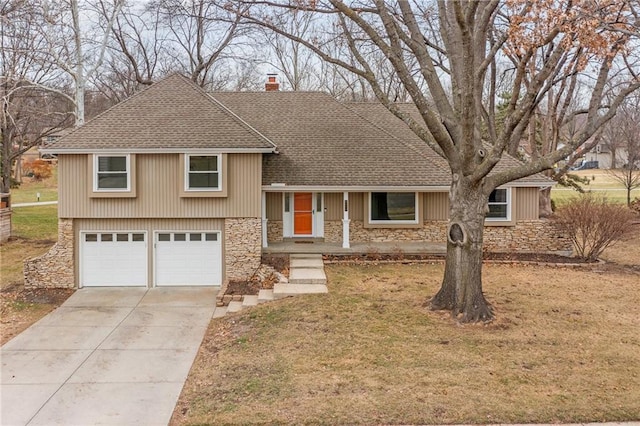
(461, 290)
(545, 209)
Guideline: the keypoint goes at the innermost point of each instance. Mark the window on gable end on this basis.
(112, 173)
(203, 173)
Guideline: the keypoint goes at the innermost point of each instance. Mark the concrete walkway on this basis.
(38, 203)
(106, 356)
(306, 276)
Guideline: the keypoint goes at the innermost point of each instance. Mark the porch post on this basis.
(263, 209)
(345, 220)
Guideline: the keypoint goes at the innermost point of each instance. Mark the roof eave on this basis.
(283, 187)
(352, 188)
(159, 150)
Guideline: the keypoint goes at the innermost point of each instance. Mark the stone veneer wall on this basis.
(333, 231)
(525, 236)
(274, 231)
(5, 224)
(243, 247)
(54, 269)
(432, 232)
(541, 236)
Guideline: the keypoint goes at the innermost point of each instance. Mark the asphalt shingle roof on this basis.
(378, 114)
(322, 142)
(171, 114)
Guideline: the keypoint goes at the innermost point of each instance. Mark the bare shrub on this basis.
(593, 224)
(39, 169)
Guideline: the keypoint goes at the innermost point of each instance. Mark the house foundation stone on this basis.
(431, 232)
(274, 231)
(333, 231)
(243, 247)
(5, 224)
(54, 269)
(533, 236)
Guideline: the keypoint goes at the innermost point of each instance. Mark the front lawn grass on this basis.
(600, 182)
(29, 189)
(34, 231)
(35, 223)
(565, 348)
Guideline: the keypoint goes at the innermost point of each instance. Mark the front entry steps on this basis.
(306, 276)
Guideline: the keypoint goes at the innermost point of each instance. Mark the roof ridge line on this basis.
(236, 116)
(216, 102)
(135, 95)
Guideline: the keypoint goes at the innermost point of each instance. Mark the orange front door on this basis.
(303, 213)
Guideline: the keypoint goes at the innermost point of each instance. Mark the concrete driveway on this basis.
(115, 356)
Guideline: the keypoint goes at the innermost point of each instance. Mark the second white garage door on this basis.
(188, 258)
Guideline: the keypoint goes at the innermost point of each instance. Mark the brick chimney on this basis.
(272, 84)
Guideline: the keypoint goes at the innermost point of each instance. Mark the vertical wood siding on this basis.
(274, 205)
(356, 205)
(436, 205)
(526, 203)
(333, 204)
(158, 180)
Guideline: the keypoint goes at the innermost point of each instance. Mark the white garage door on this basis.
(188, 258)
(113, 259)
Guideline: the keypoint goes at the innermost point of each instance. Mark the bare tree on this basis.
(628, 177)
(75, 43)
(293, 60)
(135, 56)
(625, 127)
(29, 113)
(203, 36)
(613, 139)
(458, 45)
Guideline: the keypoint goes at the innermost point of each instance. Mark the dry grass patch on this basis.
(627, 250)
(20, 308)
(34, 232)
(565, 349)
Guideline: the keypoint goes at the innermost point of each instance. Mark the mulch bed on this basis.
(48, 296)
(533, 257)
(279, 262)
(242, 288)
(491, 256)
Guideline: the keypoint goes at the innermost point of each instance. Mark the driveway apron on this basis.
(116, 356)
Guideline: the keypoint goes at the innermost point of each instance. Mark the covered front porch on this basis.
(366, 248)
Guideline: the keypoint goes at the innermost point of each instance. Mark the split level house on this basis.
(177, 186)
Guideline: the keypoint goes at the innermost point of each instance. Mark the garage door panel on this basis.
(113, 259)
(188, 258)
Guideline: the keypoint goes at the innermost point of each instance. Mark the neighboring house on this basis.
(602, 154)
(175, 186)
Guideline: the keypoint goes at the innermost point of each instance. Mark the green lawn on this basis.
(600, 182)
(29, 190)
(35, 223)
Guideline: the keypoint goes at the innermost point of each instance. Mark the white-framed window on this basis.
(203, 172)
(112, 172)
(499, 204)
(393, 207)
